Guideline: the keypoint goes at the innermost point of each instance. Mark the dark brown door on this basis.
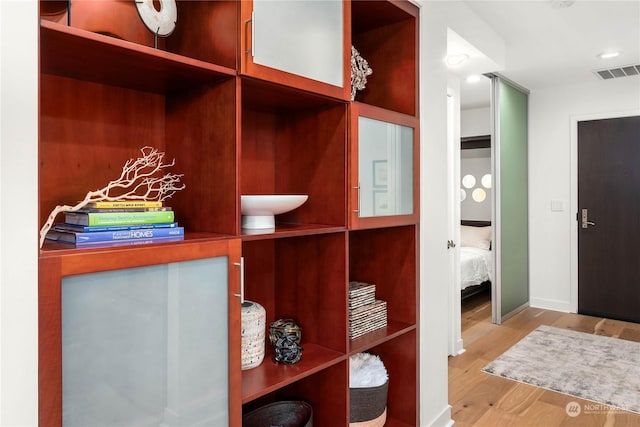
(609, 218)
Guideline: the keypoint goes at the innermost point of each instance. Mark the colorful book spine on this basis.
(91, 228)
(118, 218)
(107, 210)
(129, 242)
(106, 236)
(126, 204)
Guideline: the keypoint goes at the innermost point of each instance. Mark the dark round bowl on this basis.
(287, 413)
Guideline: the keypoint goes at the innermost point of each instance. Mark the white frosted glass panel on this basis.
(302, 37)
(385, 164)
(146, 346)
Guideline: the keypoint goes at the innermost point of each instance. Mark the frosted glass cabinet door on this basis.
(146, 346)
(300, 37)
(385, 168)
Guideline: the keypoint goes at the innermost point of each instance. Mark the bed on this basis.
(476, 258)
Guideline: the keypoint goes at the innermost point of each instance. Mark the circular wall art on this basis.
(468, 181)
(479, 195)
(486, 180)
(160, 22)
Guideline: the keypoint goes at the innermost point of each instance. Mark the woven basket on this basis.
(376, 422)
(287, 413)
(367, 403)
(253, 317)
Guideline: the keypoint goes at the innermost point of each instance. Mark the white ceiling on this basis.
(550, 45)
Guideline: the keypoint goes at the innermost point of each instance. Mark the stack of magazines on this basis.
(125, 222)
(366, 313)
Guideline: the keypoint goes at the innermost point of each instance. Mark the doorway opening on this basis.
(476, 259)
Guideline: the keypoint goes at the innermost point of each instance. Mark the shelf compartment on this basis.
(204, 30)
(400, 358)
(294, 142)
(270, 376)
(387, 258)
(88, 130)
(326, 391)
(302, 278)
(79, 54)
(201, 135)
(394, 82)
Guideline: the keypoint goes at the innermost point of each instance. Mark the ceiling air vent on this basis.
(612, 73)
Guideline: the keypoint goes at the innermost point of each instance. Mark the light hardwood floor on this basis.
(483, 400)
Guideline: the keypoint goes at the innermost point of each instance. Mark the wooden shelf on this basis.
(79, 54)
(51, 248)
(372, 339)
(271, 376)
(290, 230)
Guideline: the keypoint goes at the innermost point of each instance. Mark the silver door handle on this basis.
(241, 265)
(585, 219)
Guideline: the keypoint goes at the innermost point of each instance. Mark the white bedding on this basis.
(476, 266)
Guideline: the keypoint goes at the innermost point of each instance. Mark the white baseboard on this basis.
(550, 304)
(442, 420)
(458, 348)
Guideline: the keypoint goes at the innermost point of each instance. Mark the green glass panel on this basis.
(512, 146)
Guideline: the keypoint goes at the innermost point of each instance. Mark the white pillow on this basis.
(477, 237)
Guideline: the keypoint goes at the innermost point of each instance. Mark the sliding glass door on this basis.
(510, 213)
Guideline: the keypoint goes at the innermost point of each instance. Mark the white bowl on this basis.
(258, 211)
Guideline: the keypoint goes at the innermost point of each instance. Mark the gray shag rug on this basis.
(601, 369)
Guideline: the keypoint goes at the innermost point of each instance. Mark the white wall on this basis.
(475, 122)
(434, 216)
(18, 213)
(550, 175)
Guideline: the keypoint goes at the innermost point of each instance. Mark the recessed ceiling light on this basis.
(474, 78)
(608, 55)
(454, 60)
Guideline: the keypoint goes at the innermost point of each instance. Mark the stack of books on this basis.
(366, 313)
(118, 223)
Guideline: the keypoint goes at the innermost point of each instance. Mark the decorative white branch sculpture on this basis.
(138, 181)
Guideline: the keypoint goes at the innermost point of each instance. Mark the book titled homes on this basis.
(118, 223)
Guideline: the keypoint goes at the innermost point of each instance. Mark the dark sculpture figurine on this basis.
(287, 349)
(285, 336)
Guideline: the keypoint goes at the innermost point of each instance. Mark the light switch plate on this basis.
(557, 206)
